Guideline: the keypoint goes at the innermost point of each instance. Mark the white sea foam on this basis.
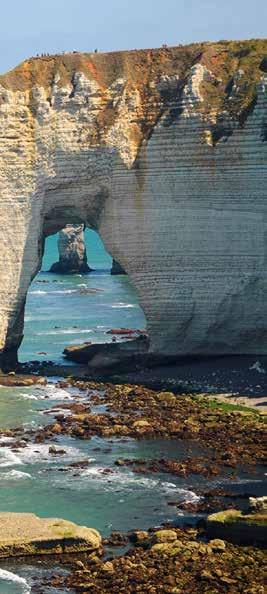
(51, 392)
(9, 458)
(131, 480)
(186, 495)
(7, 576)
(62, 291)
(5, 439)
(14, 475)
(39, 453)
(28, 396)
(122, 305)
(65, 331)
(110, 481)
(243, 481)
(56, 292)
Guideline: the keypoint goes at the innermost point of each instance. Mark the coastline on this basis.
(139, 412)
(237, 380)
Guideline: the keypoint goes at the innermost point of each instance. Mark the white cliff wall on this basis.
(170, 174)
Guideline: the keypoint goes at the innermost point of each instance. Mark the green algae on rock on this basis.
(239, 528)
(24, 534)
(185, 565)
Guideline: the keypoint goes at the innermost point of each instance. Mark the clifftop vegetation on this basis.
(142, 68)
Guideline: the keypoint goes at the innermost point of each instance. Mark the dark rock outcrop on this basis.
(117, 268)
(72, 251)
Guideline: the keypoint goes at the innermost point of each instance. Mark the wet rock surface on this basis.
(12, 379)
(165, 559)
(171, 561)
(230, 437)
(238, 527)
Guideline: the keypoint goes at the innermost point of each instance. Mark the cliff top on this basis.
(235, 68)
(140, 66)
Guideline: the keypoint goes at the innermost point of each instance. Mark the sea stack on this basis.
(72, 251)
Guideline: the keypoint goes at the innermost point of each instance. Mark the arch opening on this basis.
(75, 310)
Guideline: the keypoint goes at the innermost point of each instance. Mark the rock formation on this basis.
(164, 153)
(72, 251)
(116, 268)
(25, 534)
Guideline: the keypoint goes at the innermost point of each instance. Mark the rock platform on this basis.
(24, 534)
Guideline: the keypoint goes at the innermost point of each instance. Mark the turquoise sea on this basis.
(60, 309)
(58, 313)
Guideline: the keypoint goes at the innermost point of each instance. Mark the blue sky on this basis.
(28, 27)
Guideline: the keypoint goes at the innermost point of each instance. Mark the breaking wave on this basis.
(123, 305)
(14, 475)
(7, 576)
(58, 292)
(9, 458)
(131, 480)
(65, 331)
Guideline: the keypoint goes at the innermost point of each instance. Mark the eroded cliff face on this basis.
(71, 251)
(164, 153)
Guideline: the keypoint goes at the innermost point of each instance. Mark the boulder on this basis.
(162, 536)
(258, 504)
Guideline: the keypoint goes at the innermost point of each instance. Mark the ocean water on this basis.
(59, 312)
(102, 495)
(70, 309)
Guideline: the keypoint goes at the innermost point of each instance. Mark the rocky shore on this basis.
(170, 561)
(220, 439)
(228, 435)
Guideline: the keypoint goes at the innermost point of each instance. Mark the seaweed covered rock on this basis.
(237, 527)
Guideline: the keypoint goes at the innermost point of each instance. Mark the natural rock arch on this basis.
(166, 159)
(72, 253)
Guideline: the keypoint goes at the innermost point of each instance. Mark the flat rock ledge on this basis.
(26, 534)
(239, 528)
(12, 380)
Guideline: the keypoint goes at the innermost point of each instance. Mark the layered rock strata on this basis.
(164, 153)
(72, 251)
(26, 534)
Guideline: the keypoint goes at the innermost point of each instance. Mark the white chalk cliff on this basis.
(164, 153)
